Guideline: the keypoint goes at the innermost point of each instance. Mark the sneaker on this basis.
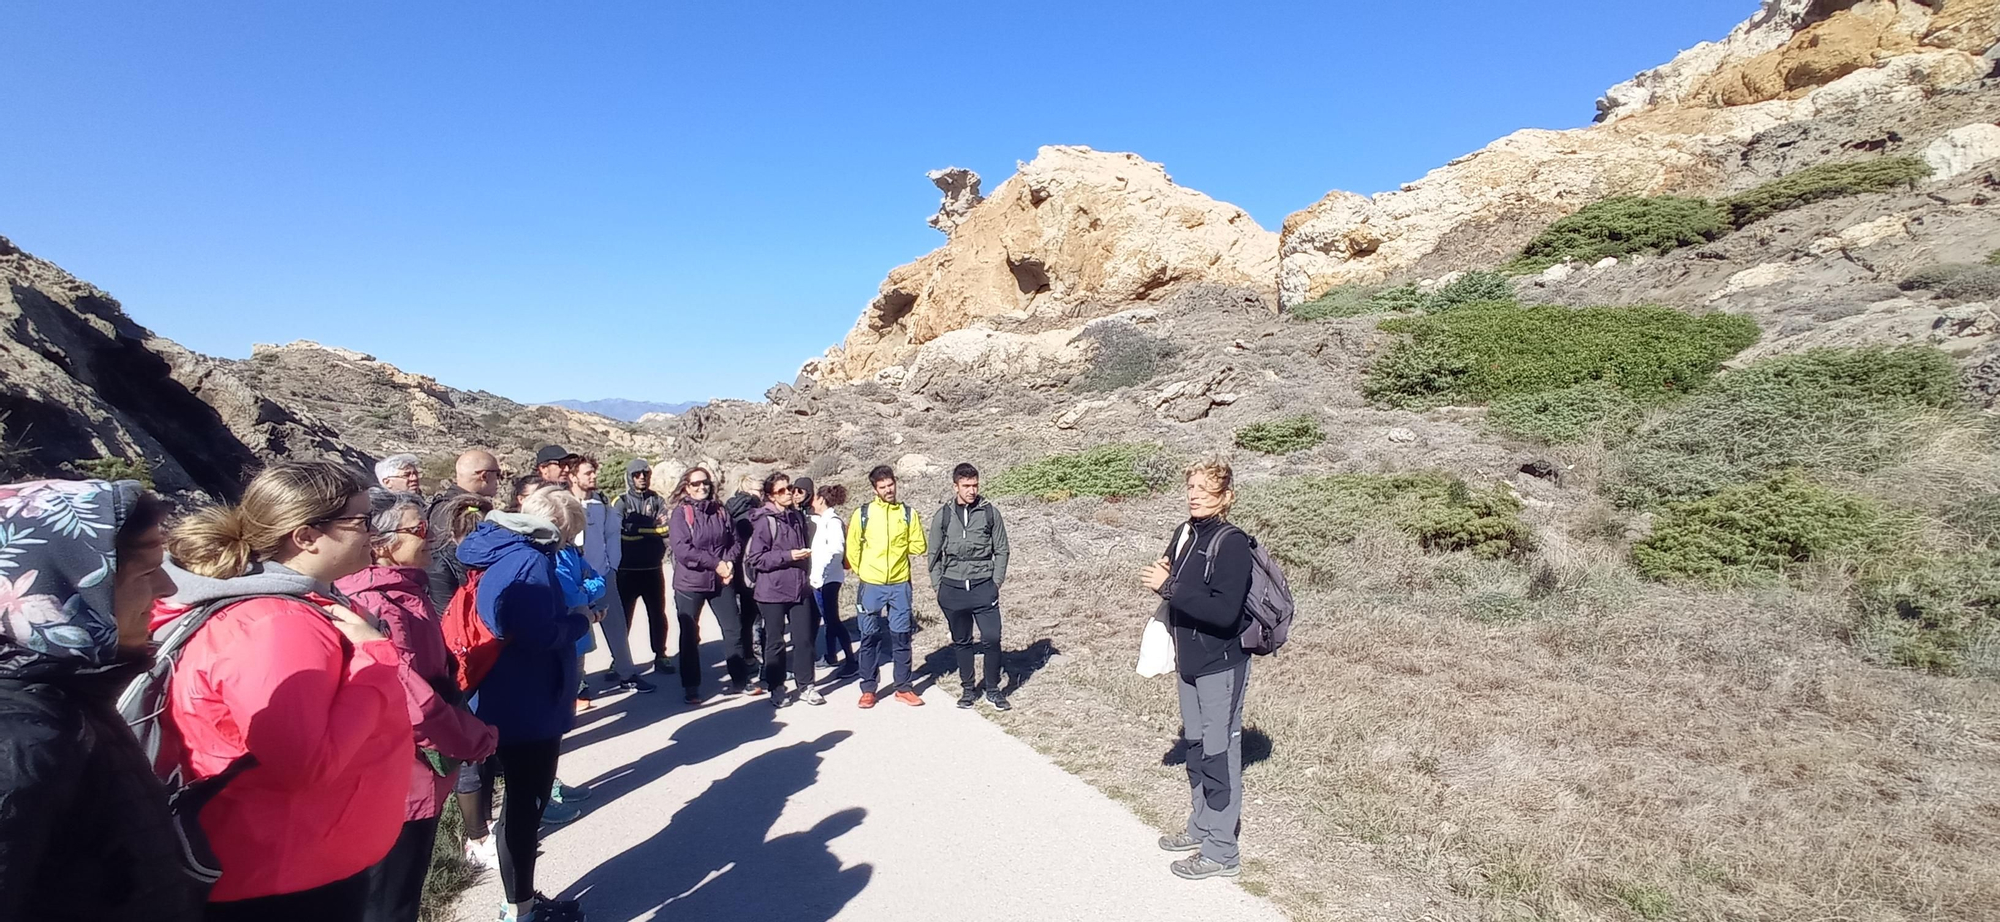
(780, 699)
(1195, 867)
(558, 814)
(663, 665)
(752, 690)
(552, 910)
(867, 700)
(812, 696)
(999, 701)
(968, 698)
(1180, 842)
(638, 684)
(692, 699)
(563, 793)
(910, 698)
(483, 854)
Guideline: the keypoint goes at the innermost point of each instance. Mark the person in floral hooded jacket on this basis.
(84, 827)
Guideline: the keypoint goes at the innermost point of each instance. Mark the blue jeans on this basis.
(886, 621)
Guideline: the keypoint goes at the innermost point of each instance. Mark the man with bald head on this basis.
(477, 472)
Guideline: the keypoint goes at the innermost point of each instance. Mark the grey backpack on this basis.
(1268, 607)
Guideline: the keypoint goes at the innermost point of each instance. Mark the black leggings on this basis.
(735, 624)
(340, 901)
(396, 883)
(777, 617)
(530, 769)
(649, 586)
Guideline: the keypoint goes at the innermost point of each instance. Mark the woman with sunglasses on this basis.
(293, 706)
(704, 547)
(393, 590)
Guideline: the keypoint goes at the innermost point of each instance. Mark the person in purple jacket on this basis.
(779, 558)
(702, 542)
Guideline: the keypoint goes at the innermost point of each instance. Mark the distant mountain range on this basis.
(627, 410)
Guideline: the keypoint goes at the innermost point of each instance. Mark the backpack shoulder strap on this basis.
(1214, 545)
(906, 515)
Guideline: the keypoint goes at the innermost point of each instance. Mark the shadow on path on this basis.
(706, 737)
(1016, 666)
(712, 861)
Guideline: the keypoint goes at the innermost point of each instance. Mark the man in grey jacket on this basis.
(968, 564)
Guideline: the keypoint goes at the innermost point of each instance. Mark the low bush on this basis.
(1483, 352)
(1121, 355)
(116, 469)
(1756, 531)
(1342, 301)
(1304, 519)
(1567, 414)
(1982, 283)
(1993, 258)
(1281, 436)
(1826, 412)
(1476, 287)
(1623, 226)
(1939, 613)
(1108, 470)
(1824, 181)
(1931, 278)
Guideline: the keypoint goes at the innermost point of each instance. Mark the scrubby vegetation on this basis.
(1303, 519)
(1931, 278)
(1939, 613)
(116, 469)
(1108, 470)
(1341, 301)
(1476, 287)
(1485, 352)
(1824, 181)
(1566, 414)
(1121, 356)
(1993, 258)
(1982, 283)
(1752, 532)
(1281, 436)
(1621, 227)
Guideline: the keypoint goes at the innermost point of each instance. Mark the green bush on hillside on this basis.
(1480, 353)
(116, 469)
(1281, 436)
(1755, 531)
(1476, 287)
(1108, 470)
(1933, 277)
(1939, 613)
(1993, 258)
(1121, 355)
(1566, 414)
(1623, 226)
(1982, 283)
(1303, 520)
(1340, 301)
(1826, 411)
(1823, 181)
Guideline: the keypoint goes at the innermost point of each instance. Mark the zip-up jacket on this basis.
(774, 534)
(968, 543)
(702, 536)
(642, 535)
(880, 553)
(1207, 614)
(599, 540)
(530, 695)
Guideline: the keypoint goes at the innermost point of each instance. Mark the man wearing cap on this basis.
(642, 541)
(553, 464)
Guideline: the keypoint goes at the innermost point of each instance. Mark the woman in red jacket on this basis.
(298, 698)
(395, 591)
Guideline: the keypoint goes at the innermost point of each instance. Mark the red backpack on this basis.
(472, 645)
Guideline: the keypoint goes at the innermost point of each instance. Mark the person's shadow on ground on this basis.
(706, 737)
(1256, 748)
(712, 861)
(1016, 666)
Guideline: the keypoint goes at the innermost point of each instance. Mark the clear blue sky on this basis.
(713, 190)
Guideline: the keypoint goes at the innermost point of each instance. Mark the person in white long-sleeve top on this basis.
(829, 569)
(600, 547)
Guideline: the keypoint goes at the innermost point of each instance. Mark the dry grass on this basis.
(1454, 738)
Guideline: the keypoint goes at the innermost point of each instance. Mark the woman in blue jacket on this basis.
(779, 558)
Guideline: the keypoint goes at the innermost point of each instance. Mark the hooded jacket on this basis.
(326, 720)
(599, 541)
(84, 829)
(702, 536)
(774, 534)
(530, 694)
(880, 553)
(398, 598)
(968, 544)
(642, 529)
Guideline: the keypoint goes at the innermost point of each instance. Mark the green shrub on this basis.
(1755, 531)
(1981, 283)
(1476, 287)
(116, 469)
(1620, 227)
(1341, 301)
(1930, 278)
(1993, 258)
(1567, 414)
(1937, 613)
(1826, 411)
(1480, 353)
(1121, 355)
(1824, 181)
(1281, 436)
(1107, 470)
(1303, 520)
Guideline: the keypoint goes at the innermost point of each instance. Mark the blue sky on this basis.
(667, 201)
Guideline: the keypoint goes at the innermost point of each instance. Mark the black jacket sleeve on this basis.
(1214, 606)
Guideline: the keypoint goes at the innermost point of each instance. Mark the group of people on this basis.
(296, 643)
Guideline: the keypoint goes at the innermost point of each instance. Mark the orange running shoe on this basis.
(910, 698)
(867, 700)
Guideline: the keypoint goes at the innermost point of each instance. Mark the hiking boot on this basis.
(999, 701)
(1195, 867)
(638, 684)
(663, 665)
(812, 696)
(560, 813)
(910, 698)
(867, 700)
(1180, 842)
(968, 698)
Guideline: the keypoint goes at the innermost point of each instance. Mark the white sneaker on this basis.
(811, 695)
(483, 853)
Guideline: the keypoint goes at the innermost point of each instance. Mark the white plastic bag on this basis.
(1156, 650)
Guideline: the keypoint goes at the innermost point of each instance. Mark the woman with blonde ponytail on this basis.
(289, 700)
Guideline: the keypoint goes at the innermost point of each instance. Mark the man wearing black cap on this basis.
(553, 464)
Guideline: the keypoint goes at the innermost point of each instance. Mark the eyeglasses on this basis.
(366, 524)
(697, 483)
(419, 530)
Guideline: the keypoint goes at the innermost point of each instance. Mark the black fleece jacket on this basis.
(1208, 610)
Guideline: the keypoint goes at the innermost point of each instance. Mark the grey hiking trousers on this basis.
(1212, 725)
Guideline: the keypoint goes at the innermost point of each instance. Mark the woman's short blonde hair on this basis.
(1218, 470)
(557, 505)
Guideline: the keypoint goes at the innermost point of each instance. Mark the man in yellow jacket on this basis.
(881, 539)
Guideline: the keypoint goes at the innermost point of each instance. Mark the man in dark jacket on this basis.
(642, 541)
(968, 564)
(84, 828)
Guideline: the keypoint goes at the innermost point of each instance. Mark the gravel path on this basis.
(737, 810)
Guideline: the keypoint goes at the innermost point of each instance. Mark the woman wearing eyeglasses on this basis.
(705, 549)
(293, 705)
(394, 591)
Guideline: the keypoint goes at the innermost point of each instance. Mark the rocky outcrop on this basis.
(1074, 233)
(1799, 67)
(961, 194)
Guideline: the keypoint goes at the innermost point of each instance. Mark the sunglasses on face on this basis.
(692, 484)
(362, 520)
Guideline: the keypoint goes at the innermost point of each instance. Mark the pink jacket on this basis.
(400, 597)
(325, 720)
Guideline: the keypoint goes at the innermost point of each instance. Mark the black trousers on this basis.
(798, 617)
(735, 624)
(340, 901)
(966, 608)
(648, 586)
(530, 769)
(396, 883)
